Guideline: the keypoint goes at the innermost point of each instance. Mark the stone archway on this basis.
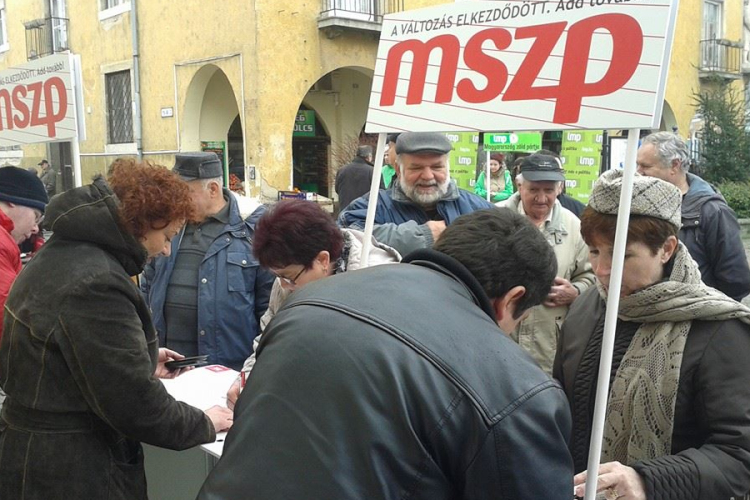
(211, 115)
(339, 101)
(668, 119)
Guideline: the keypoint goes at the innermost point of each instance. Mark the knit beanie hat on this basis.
(19, 186)
(651, 196)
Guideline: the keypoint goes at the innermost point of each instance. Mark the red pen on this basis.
(242, 380)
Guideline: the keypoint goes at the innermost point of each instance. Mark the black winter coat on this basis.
(711, 233)
(77, 362)
(711, 435)
(353, 180)
(394, 382)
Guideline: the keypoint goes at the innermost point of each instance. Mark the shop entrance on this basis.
(310, 153)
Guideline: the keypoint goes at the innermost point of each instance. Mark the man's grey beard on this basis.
(424, 199)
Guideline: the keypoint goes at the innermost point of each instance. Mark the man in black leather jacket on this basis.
(395, 381)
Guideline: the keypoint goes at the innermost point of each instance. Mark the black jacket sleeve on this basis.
(726, 252)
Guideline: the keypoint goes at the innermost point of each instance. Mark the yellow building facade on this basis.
(240, 76)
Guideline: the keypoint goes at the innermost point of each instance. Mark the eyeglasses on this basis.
(39, 217)
(293, 281)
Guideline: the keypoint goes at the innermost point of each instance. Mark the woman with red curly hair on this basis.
(80, 360)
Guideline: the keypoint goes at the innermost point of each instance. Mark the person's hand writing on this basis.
(233, 394)
(615, 480)
(221, 417)
(436, 227)
(561, 294)
(164, 356)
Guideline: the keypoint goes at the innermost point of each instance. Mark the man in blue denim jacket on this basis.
(208, 295)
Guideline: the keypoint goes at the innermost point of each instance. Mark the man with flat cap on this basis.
(48, 178)
(422, 202)
(208, 295)
(539, 182)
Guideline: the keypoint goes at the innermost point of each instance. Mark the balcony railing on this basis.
(366, 15)
(721, 57)
(46, 36)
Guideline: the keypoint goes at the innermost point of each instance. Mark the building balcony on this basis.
(46, 36)
(720, 58)
(366, 16)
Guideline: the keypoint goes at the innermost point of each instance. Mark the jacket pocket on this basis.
(127, 475)
(241, 270)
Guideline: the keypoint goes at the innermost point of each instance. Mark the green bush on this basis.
(737, 195)
(725, 150)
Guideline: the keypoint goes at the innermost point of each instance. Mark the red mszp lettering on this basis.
(7, 109)
(449, 47)
(18, 93)
(52, 117)
(627, 46)
(36, 89)
(494, 70)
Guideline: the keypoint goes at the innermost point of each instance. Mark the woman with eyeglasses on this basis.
(301, 243)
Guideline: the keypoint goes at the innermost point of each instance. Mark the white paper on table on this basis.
(202, 387)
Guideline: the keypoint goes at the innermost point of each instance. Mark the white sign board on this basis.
(37, 102)
(523, 65)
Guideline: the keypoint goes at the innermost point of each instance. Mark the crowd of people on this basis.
(458, 359)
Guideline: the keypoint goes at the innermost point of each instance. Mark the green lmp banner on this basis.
(528, 142)
(304, 124)
(463, 158)
(581, 156)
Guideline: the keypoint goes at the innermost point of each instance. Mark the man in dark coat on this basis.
(710, 230)
(395, 381)
(48, 177)
(353, 180)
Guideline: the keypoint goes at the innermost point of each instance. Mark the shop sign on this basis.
(304, 124)
(524, 142)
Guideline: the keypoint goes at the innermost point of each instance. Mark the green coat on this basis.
(480, 188)
(388, 173)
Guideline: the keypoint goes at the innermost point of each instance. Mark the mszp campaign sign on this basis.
(37, 102)
(523, 65)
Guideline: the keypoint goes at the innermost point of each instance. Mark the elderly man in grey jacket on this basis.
(539, 183)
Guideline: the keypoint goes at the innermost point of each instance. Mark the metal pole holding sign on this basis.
(487, 182)
(610, 319)
(373, 200)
